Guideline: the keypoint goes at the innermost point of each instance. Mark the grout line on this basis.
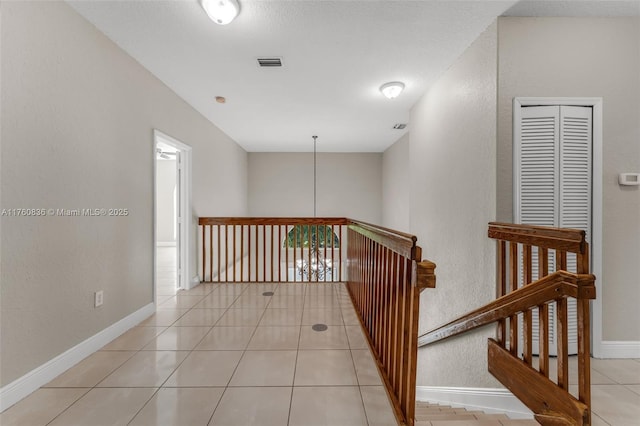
(295, 365)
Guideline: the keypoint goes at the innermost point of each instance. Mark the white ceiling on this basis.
(336, 54)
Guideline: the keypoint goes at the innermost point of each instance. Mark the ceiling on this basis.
(335, 54)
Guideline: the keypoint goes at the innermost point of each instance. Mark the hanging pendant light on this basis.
(315, 141)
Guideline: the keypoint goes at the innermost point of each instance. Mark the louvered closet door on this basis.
(553, 184)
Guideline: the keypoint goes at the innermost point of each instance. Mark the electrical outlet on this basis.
(98, 298)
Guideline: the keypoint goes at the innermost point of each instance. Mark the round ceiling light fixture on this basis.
(221, 11)
(392, 89)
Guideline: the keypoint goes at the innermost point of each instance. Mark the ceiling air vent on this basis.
(399, 126)
(270, 62)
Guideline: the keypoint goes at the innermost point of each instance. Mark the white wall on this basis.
(585, 58)
(77, 132)
(395, 185)
(452, 174)
(348, 185)
(165, 206)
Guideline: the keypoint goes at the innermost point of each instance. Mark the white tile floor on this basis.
(225, 354)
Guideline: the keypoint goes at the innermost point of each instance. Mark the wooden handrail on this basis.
(571, 240)
(273, 220)
(560, 284)
(401, 243)
(523, 252)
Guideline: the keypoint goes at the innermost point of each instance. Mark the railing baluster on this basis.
(562, 327)
(584, 360)
(340, 261)
(219, 253)
(527, 330)
(272, 258)
(406, 331)
(393, 303)
(257, 252)
(333, 264)
(324, 243)
(264, 253)
(543, 316)
(241, 253)
(302, 249)
(513, 320)
(388, 285)
(204, 256)
(279, 253)
(502, 288)
(226, 252)
(210, 252)
(235, 256)
(563, 343)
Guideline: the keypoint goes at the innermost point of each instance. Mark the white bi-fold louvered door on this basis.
(552, 172)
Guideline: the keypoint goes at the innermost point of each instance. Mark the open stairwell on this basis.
(428, 414)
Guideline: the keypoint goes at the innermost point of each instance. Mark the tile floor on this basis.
(225, 354)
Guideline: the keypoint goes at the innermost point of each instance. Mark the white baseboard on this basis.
(165, 243)
(30, 382)
(620, 349)
(489, 400)
(195, 281)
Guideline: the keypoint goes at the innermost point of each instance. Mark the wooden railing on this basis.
(386, 276)
(243, 249)
(528, 295)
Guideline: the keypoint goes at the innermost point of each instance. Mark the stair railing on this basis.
(383, 270)
(271, 249)
(385, 277)
(522, 253)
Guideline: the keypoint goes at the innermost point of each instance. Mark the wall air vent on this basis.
(270, 62)
(399, 126)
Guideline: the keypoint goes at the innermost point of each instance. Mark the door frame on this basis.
(184, 211)
(596, 197)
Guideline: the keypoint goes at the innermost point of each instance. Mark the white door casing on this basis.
(183, 217)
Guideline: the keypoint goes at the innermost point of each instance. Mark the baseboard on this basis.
(165, 243)
(36, 378)
(620, 349)
(489, 400)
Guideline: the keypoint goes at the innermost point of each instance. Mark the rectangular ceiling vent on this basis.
(270, 62)
(399, 126)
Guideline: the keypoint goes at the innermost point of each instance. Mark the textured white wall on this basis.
(348, 185)
(165, 209)
(395, 185)
(77, 132)
(452, 175)
(585, 58)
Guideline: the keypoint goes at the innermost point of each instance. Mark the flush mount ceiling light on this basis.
(221, 11)
(392, 89)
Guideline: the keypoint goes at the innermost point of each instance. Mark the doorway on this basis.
(172, 161)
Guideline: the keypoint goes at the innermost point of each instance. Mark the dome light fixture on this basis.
(392, 89)
(221, 11)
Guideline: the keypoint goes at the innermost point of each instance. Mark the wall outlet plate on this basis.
(98, 298)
